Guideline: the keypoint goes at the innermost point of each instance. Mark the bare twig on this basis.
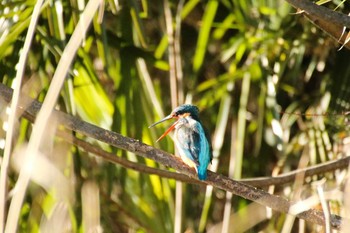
(257, 182)
(290, 176)
(88, 147)
(135, 146)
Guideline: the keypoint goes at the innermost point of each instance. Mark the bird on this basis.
(190, 138)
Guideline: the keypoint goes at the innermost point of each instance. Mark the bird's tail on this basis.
(202, 172)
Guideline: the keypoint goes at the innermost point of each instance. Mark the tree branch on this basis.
(331, 22)
(321, 12)
(257, 181)
(135, 146)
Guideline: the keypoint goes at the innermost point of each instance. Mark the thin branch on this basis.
(88, 147)
(290, 176)
(135, 146)
(257, 182)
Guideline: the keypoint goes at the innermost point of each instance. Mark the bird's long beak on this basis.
(168, 130)
(162, 120)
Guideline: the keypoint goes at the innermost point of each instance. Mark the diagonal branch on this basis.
(135, 146)
(322, 12)
(331, 22)
(282, 179)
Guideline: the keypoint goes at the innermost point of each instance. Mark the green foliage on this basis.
(249, 61)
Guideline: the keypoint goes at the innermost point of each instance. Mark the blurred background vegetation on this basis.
(263, 77)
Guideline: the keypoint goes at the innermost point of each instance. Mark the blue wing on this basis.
(188, 140)
(194, 143)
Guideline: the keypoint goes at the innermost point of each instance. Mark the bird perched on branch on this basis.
(190, 138)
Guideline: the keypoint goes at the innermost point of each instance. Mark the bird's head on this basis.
(185, 110)
(179, 112)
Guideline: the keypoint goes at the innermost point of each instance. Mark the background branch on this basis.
(257, 181)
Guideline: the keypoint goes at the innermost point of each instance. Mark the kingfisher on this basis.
(190, 138)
